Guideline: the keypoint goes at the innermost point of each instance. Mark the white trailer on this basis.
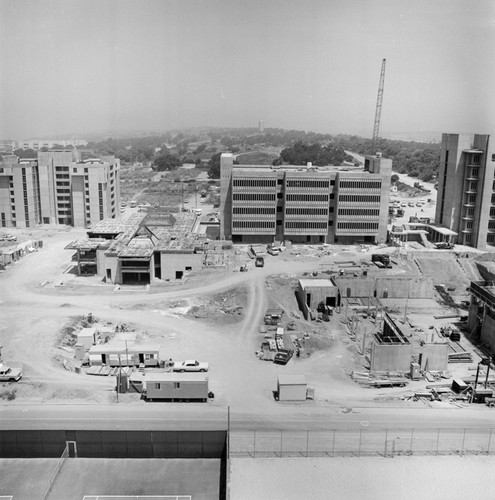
(170, 386)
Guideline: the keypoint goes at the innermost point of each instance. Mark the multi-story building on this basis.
(58, 188)
(19, 193)
(466, 188)
(37, 144)
(263, 203)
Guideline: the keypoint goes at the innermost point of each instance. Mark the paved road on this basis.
(211, 416)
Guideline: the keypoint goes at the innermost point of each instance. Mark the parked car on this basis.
(8, 374)
(443, 245)
(190, 365)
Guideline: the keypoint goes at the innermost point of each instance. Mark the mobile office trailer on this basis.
(118, 354)
(170, 386)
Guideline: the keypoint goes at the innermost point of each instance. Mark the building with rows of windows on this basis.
(466, 188)
(263, 203)
(58, 187)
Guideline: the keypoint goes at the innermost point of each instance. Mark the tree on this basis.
(394, 178)
(166, 161)
(214, 166)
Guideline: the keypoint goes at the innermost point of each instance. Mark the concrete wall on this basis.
(436, 355)
(394, 287)
(173, 262)
(488, 332)
(391, 357)
(113, 444)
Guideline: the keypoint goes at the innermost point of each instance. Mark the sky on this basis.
(78, 67)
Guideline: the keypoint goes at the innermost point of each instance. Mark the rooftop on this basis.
(317, 283)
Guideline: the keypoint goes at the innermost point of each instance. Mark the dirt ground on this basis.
(215, 316)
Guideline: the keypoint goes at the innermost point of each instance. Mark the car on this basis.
(403, 204)
(444, 245)
(283, 356)
(419, 204)
(190, 365)
(8, 374)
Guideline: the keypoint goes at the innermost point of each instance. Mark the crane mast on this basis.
(378, 112)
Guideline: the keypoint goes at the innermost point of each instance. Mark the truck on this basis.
(260, 261)
(383, 259)
(190, 365)
(8, 374)
(283, 356)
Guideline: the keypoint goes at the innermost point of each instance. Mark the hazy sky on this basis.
(83, 66)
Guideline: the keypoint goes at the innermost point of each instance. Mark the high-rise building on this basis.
(58, 188)
(466, 188)
(263, 203)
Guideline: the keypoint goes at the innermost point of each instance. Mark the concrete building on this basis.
(37, 144)
(263, 203)
(466, 188)
(58, 188)
(481, 319)
(142, 248)
(20, 200)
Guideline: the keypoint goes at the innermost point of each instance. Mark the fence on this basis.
(361, 442)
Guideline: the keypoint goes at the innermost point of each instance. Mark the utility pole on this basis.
(378, 112)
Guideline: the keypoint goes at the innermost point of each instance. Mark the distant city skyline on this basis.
(77, 68)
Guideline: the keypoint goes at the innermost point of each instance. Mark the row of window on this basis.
(260, 224)
(254, 210)
(305, 225)
(254, 182)
(358, 226)
(360, 198)
(360, 211)
(360, 184)
(308, 197)
(309, 183)
(306, 211)
(253, 196)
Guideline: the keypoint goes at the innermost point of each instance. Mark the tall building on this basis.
(263, 203)
(58, 188)
(466, 188)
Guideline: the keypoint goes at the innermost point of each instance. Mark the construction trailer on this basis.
(292, 388)
(312, 292)
(119, 353)
(171, 386)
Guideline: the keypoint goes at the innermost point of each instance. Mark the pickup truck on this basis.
(283, 356)
(190, 366)
(9, 374)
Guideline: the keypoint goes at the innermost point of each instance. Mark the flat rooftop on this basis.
(317, 283)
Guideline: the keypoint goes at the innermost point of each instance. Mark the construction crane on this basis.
(378, 112)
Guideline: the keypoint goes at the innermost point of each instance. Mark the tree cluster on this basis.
(301, 153)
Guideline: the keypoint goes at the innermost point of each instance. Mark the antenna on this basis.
(378, 112)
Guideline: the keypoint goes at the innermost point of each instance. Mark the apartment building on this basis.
(19, 193)
(263, 203)
(58, 188)
(466, 188)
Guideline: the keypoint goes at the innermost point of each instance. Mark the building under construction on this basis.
(142, 248)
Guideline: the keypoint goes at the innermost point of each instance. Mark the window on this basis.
(177, 385)
(74, 170)
(158, 386)
(147, 357)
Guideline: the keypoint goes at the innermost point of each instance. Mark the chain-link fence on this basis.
(361, 442)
